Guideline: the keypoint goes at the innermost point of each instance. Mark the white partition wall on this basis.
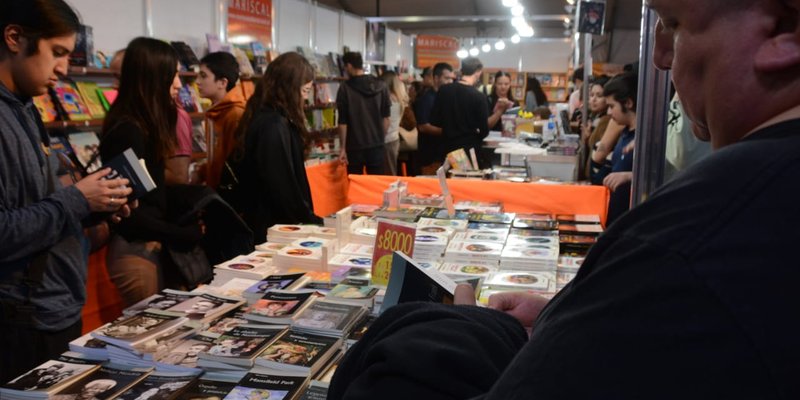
(535, 55)
(326, 31)
(185, 20)
(354, 32)
(294, 24)
(114, 22)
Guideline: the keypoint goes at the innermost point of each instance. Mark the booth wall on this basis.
(535, 56)
(111, 32)
(326, 31)
(294, 25)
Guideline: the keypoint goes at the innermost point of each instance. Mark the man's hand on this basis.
(464, 295)
(523, 306)
(124, 211)
(614, 180)
(104, 195)
(343, 157)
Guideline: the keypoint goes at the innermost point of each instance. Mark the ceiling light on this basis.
(517, 10)
(486, 48)
(571, 2)
(500, 45)
(518, 22)
(462, 53)
(512, 3)
(474, 52)
(515, 38)
(526, 31)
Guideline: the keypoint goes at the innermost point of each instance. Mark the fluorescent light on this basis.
(474, 52)
(500, 45)
(517, 10)
(515, 38)
(512, 3)
(462, 53)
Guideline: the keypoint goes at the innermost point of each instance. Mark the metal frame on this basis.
(463, 18)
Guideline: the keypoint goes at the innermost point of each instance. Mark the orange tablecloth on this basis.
(516, 197)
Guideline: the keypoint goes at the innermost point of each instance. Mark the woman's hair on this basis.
(623, 87)
(39, 19)
(279, 89)
(510, 95)
(148, 70)
(396, 87)
(536, 87)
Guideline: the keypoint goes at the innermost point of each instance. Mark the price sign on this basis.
(392, 236)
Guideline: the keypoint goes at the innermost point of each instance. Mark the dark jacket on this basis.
(363, 102)
(148, 222)
(272, 175)
(39, 219)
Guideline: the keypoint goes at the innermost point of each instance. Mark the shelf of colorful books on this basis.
(93, 71)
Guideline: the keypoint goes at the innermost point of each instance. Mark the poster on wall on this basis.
(376, 42)
(250, 21)
(432, 49)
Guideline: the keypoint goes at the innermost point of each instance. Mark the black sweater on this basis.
(272, 175)
(148, 222)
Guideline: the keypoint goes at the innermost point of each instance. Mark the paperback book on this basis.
(267, 386)
(241, 345)
(137, 329)
(48, 377)
(159, 386)
(279, 306)
(106, 382)
(410, 282)
(329, 318)
(299, 352)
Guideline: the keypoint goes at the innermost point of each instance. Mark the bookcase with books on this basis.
(554, 84)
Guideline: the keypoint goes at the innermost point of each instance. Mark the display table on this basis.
(516, 197)
(332, 190)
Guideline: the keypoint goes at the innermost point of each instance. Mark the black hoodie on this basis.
(363, 102)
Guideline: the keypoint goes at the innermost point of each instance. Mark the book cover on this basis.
(186, 55)
(256, 386)
(72, 102)
(49, 376)
(186, 354)
(83, 54)
(298, 351)
(328, 316)
(241, 344)
(279, 306)
(206, 307)
(107, 97)
(127, 165)
(159, 301)
(47, 109)
(186, 99)
(392, 236)
(276, 282)
(159, 386)
(104, 383)
(86, 146)
(88, 91)
(207, 389)
(410, 282)
(138, 328)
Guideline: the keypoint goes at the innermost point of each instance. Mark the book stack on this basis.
(289, 233)
(279, 306)
(159, 385)
(238, 348)
(330, 318)
(90, 347)
(568, 266)
(159, 301)
(436, 230)
(457, 225)
(429, 246)
(259, 385)
(457, 270)
(145, 354)
(356, 249)
(354, 291)
(363, 231)
(232, 288)
(484, 253)
(542, 258)
(494, 218)
(304, 257)
(345, 262)
(578, 232)
(479, 207)
(206, 389)
(110, 379)
(184, 356)
(403, 214)
(49, 377)
(246, 267)
(140, 328)
(299, 352)
(535, 221)
(325, 232)
(270, 248)
(275, 282)
(207, 307)
(485, 235)
(425, 200)
(537, 282)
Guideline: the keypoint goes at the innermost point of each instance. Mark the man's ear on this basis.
(12, 36)
(629, 105)
(782, 49)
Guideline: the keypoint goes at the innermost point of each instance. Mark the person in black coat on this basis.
(271, 145)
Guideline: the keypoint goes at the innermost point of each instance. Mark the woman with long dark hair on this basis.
(272, 140)
(501, 93)
(143, 118)
(534, 95)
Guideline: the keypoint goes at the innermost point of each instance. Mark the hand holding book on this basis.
(104, 195)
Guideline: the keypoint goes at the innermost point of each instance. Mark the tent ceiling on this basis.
(623, 14)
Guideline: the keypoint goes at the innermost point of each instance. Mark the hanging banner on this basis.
(250, 21)
(432, 49)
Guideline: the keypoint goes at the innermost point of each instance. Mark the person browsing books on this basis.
(689, 295)
(272, 141)
(218, 81)
(43, 251)
(501, 94)
(143, 118)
